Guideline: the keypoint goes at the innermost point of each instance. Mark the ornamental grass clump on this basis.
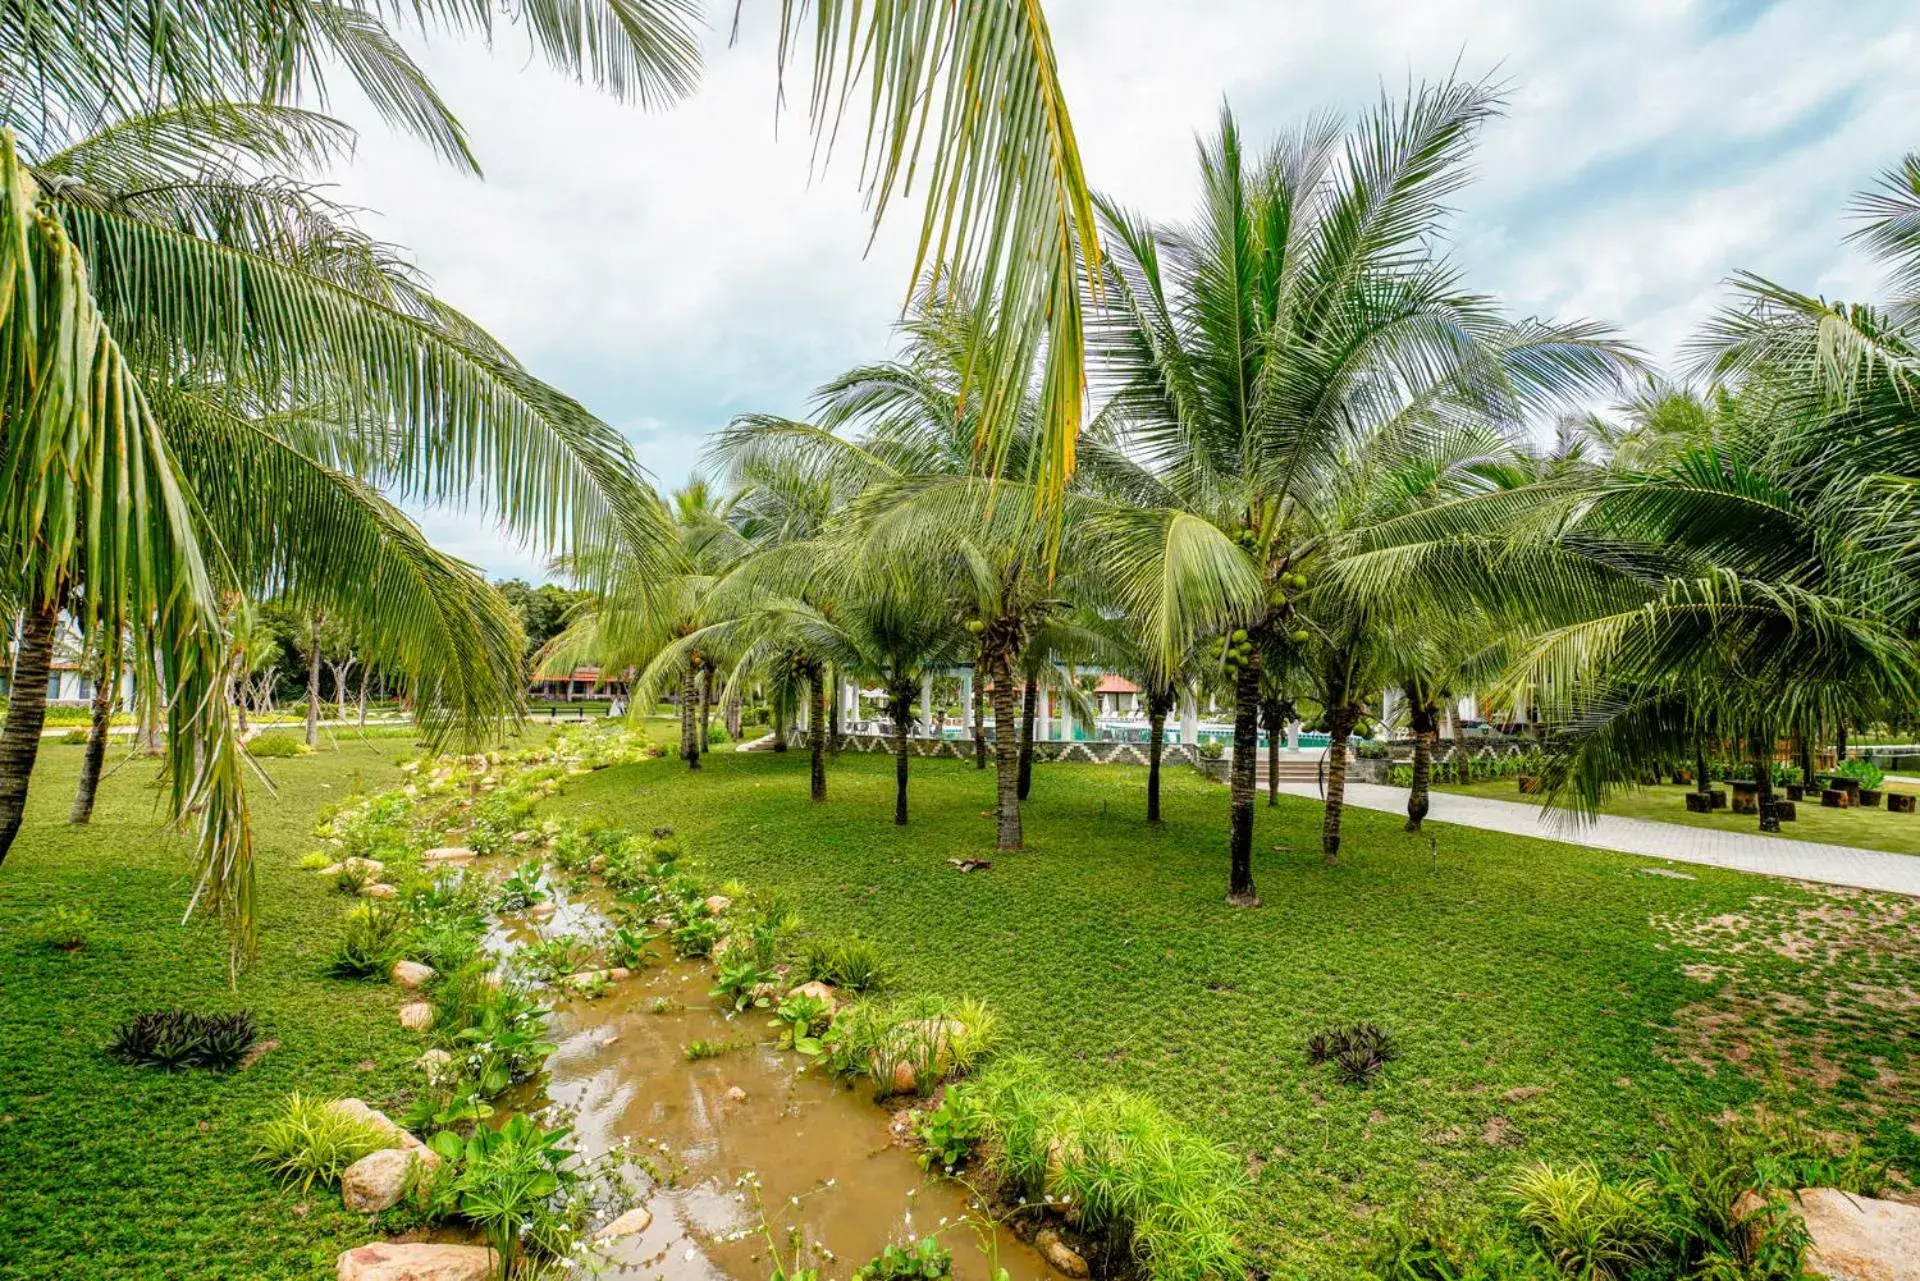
(312, 1140)
(172, 1040)
(1153, 1192)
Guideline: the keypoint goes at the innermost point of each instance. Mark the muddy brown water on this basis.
(822, 1153)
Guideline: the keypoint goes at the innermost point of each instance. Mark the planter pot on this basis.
(1719, 796)
(1835, 798)
(1870, 799)
(1746, 798)
(1682, 777)
(1699, 803)
(1786, 811)
(1529, 784)
(1796, 792)
(1900, 802)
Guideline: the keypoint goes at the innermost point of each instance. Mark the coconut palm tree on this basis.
(1304, 319)
(97, 300)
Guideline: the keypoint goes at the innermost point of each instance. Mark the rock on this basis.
(736, 1095)
(411, 973)
(597, 864)
(904, 1077)
(358, 1110)
(618, 973)
(435, 1063)
(1851, 1238)
(521, 838)
(376, 1181)
(541, 911)
(415, 1261)
(416, 1016)
(821, 992)
(449, 856)
(717, 903)
(1058, 1253)
(632, 1223)
(378, 889)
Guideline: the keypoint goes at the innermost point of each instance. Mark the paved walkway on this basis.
(1741, 851)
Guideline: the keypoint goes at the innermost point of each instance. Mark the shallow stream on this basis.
(824, 1154)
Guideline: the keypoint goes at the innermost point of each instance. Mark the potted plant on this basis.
(1868, 779)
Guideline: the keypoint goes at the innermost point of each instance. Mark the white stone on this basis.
(718, 903)
(378, 889)
(541, 911)
(360, 1111)
(449, 856)
(632, 1223)
(1063, 1257)
(1858, 1238)
(416, 1016)
(415, 1261)
(736, 1095)
(411, 973)
(435, 1063)
(376, 1181)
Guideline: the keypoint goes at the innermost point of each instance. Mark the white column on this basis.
(926, 703)
(1189, 720)
(1293, 736)
(1066, 715)
(1043, 716)
(966, 698)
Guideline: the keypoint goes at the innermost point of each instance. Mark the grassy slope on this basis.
(1871, 829)
(140, 1173)
(1508, 963)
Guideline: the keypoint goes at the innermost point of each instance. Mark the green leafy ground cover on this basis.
(112, 1171)
(1870, 829)
(1548, 1001)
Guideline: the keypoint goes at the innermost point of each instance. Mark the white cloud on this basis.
(676, 268)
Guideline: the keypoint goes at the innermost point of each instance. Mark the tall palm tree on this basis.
(1302, 320)
(82, 287)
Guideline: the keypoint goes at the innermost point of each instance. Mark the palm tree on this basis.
(84, 286)
(1303, 320)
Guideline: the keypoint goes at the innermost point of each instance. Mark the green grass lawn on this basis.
(1872, 829)
(111, 1171)
(1550, 1000)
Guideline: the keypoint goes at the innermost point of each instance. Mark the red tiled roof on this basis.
(1111, 684)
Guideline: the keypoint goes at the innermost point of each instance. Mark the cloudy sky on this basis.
(673, 269)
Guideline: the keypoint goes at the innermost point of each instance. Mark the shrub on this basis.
(315, 861)
(521, 890)
(277, 745)
(555, 956)
(508, 1038)
(696, 1050)
(1591, 1227)
(313, 1140)
(1357, 1052)
(800, 1019)
(512, 1183)
(1173, 1196)
(75, 737)
(953, 1130)
(852, 964)
(371, 940)
(1212, 750)
(174, 1039)
(927, 1261)
(1866, 773)
(1449, 1252)
(65, 927)
(930, 1035)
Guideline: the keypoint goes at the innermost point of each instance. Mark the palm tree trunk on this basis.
(1156, 744)
(730, 714)
(979, 719)
(313, 685)
(366, 674)
(902, 709)
(817, 736)
(1241, 784)
(1763, 782)
(777, 717)
(706, 708)
(1006, 756)
(26, 716)
(1424, 731)
(96, 755)
(833, 714)
(1702, 780)
(1027, 708)
(1341, 720)
(689, 713)
(1803, 756)
(1270, 717)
